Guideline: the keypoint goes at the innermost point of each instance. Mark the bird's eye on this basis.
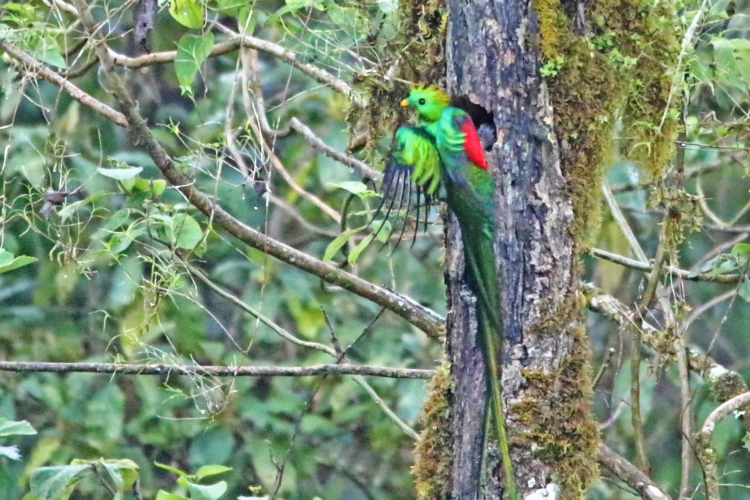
(422, 102)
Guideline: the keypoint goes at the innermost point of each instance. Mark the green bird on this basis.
(444, 149)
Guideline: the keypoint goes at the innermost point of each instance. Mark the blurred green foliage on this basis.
(109, 282)
(93, 245)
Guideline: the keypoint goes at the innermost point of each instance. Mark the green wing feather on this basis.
(414, 161)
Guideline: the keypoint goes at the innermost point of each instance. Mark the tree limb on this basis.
(629, 473)
(218, 371)
(35, 67)
(724, 279)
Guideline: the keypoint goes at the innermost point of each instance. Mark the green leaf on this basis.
(246, 20)
(354, 254)
(117, 219)
(211, 470)
(207, 492)
(192, 50)
(158, 186)
(186, 233)
(188, 13)
(354, 187)
(9, 263)
(163, 495)
(744, 289)
(337, 243)
(171, 469)
(741, 250)
(47, 50)
(124, 473)
(721, 264)
(56, 483)
(5, 257)
(119, 242)
(70, 209)
(10, 428)
(120, 174)
(230, 7)
(384, 232)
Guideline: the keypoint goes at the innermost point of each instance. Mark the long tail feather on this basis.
(385, 189)
(480, 262)
(407, 188)
(427, 207)
(399, 186)
(416, 219)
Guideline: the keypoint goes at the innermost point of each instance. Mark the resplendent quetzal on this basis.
(444, 149)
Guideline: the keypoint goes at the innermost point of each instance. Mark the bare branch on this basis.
(724, 279)
(34, 68)
(290, 57)
(316, 142)
(630, 474)
(218, 371)
(233, 44)
(313, 345)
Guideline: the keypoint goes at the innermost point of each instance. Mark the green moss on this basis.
(557, 417)
(727, 386)
(608, 66)
(432, 468)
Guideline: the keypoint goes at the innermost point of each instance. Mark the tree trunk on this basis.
(493, 59)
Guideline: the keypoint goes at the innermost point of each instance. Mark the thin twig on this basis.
(316, 142)
(687, 44)
(678, 343)
(694, 172)
(603, 367)
(724, 279)
(312, 345)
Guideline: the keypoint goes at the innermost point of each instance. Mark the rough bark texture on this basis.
(493, 59)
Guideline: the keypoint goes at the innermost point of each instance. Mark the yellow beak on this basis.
(404, 103)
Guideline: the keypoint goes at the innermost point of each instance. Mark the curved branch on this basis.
(735, 404)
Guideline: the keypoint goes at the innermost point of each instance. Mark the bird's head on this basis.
(428, 101)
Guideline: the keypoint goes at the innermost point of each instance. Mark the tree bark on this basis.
(493, 59)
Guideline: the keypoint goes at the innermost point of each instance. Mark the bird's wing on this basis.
(413, 163)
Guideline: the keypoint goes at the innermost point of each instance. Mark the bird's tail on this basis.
(480, 262)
